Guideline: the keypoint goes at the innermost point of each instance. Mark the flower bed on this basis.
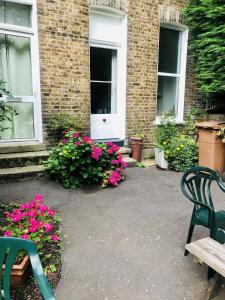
(35, 221)
(78, 161)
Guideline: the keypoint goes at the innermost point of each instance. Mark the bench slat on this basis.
(210, 252)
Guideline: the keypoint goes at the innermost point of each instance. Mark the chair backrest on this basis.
(196, 186)
(9, 248)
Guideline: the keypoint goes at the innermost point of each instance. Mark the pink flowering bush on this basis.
(34, 221)
(78, 161)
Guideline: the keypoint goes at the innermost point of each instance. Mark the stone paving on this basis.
(124, 243)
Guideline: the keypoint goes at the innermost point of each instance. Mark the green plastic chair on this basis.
(196, 186)
(9, 247)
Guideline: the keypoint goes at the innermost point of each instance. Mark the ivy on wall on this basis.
(206, 22)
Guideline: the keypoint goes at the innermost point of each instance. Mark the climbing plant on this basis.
(206, 22)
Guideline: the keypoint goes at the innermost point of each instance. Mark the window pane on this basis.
(169, 55)
(15, 13)
(101, 63)
(100, 98)
(15, 64)
(22, 125)
(167, 94)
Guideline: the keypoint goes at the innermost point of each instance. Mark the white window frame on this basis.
(32, 33)
(113, 75)
(183, 42)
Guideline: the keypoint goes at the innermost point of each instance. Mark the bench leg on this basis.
(214, 287)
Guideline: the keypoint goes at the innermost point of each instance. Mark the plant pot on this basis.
(19, 273)
(160, 159)
(136, 148)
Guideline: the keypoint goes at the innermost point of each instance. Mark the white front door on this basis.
(107, 75)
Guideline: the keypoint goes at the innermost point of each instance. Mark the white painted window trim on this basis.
(32, 33)
(113, 76)
(179, 119)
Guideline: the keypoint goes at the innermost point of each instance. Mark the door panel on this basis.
(104, 126)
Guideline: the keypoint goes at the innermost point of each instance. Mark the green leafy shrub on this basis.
(78, 161)
(165, 131)
(205, 20)
(181, 153)
(62, 122)
(192, 117)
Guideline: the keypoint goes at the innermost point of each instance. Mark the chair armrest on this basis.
(221, 184)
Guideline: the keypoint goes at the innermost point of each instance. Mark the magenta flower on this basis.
(51, 212)
(16, 218)
(41, 223)
(33, 229)
(109, 144)
(33, 222)
(124, 164)
(65, 141)
(39, 197)
(8, 233)
(87, 139)
(77, 143)
(25, 236)
(55, 237)
(110, 151)
(32, 213)
(75, 135)
(95, 155)
(25, 206)
(114, 162)
(48, 227)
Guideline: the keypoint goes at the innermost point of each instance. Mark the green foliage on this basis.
(221, 134)
(206, 22)
(140, 165)
(193, 116)
(62, 122)
(181, 153)
(6, 111)
(77, 161)
(165, 130)
(180, 150)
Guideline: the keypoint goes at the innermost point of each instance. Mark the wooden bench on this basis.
(211, 253)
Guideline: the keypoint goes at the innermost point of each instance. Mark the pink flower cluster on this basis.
(31, 217)
(112, 148)
(96, 152)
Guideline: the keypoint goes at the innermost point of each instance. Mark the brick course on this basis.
(64, 59)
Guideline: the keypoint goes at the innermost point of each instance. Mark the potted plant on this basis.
(164, 131)
(62, 122)
(136, 142)
(35, 221)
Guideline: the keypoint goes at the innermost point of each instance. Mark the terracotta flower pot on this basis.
(136, 148)
(19, 273)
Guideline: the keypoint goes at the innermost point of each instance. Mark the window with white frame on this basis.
(171, 71)
(103, 80)
(19, 66)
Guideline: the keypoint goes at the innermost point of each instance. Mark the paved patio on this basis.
(124, 243)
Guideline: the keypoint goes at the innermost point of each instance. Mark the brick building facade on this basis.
(63, 30)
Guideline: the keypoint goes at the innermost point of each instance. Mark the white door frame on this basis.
(121, 69)
(32, 34)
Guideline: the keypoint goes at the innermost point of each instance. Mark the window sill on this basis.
(177, 121)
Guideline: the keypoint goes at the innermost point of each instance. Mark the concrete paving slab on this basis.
(124, 243)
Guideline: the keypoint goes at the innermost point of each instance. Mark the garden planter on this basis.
(136, 148)
(160, 159)
(211, 148)
(19, 273)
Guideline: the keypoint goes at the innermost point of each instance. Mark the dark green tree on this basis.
(206, 22)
